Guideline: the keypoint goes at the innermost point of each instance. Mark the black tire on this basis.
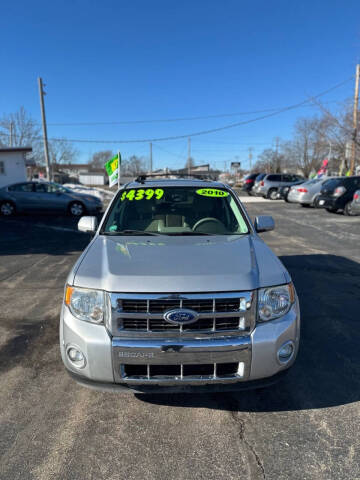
(272, 194)
(348, 209)
(7, 208)
(76, 209)
(314, 203)
(331, 210)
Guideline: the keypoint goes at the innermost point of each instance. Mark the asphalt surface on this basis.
(305, 427)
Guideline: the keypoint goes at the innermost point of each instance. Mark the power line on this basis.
(171, 120)
(170, 153)
(212, 130)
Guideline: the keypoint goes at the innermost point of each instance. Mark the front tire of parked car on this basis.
(76, 209)
(272, 194)
(348, 209)
(7, 209)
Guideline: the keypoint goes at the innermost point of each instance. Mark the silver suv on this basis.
(177, 291)
(269, 185)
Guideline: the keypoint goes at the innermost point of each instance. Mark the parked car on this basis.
(355, 204)
(46, 197)
(271, 183)
(337, 194)
(152, 305)
(306, 193)
(249, 182)
(254, 190)
(283, 192)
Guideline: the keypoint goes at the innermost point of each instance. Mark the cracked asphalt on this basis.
(305, 427)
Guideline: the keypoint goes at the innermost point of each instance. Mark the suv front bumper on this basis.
(256, 353)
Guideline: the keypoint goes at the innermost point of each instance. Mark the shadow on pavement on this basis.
(41, 233)
(327, 370)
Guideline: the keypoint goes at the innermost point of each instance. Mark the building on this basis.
(93, 178)
(79, 173)
(13, 165)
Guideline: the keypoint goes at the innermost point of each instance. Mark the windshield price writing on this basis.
(141, 194)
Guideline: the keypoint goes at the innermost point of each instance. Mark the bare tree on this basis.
(133, 166)
(25, 132)
(61, 151)
(271, 161)
(309, 146)
(99, 159)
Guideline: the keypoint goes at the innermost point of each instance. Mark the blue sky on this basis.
(117, 60)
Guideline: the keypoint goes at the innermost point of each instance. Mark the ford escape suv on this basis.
(176, 291)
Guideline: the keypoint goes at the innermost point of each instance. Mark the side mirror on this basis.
(264, 223)
(87, 224)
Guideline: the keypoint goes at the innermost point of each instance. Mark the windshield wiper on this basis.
(129, 232)
(190, 233)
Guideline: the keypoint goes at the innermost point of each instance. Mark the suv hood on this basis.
(178, 264)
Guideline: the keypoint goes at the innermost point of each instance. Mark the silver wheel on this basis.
(348, 209)
(76, 209)
(273, 194)
(7, 209)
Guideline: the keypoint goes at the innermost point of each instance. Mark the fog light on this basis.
(285, 352)
(76, 357)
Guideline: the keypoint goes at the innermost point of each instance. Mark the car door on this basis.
(49, 197)
(23, 196)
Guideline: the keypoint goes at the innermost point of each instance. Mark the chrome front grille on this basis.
(197, 371)
(143, 314)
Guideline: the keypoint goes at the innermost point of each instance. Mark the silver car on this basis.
(256, 187)
(153, 305)
(355, 204)
(270, 184)
(306, 193)
(46, 197)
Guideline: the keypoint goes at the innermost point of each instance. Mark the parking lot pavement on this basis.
(306, 427)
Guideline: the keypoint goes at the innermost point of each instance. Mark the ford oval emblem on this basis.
(180, 316)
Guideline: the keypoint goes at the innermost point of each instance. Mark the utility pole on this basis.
(11, 133)
(250, 157)
(151, 165)
(43, 118)
(189, 156)
(355, 113)
(277, 154)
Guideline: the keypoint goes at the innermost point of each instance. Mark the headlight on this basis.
(84, 304)
(274, 302)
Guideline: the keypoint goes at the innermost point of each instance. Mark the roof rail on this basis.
(143, 177)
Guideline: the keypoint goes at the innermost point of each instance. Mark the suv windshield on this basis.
(175, 211)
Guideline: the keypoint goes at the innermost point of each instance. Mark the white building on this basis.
(92, 179)
(12, 165)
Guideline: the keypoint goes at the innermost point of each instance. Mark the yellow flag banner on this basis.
(112, 169)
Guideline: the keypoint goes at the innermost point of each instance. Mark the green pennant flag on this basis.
(112, 169)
